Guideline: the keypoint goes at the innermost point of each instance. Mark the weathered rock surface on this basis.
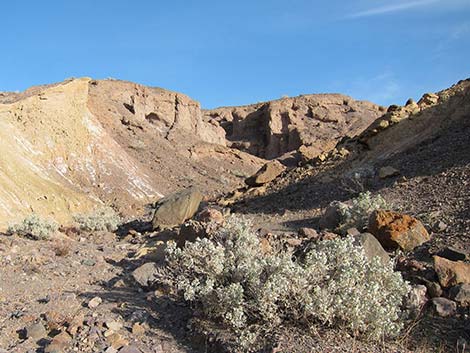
(267, 173)
(395, 230)
(59, 344)
(95, 302)
(176, 208)
(36, 331)
(387, 172)
(129, 349)
(451, 273)
(416, 299)
(145, 274)
(68, 147)
(372, 247)
(331, 217)
(444, 307)
(209, 215)
(274, 128)
(404, 127)
(461, 294)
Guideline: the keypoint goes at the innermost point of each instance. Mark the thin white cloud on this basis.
(381, 10)
(383, 88)
(451, 38)
(460, 31)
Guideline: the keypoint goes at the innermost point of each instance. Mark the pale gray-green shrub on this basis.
(234, 283)
(34, 227)
(102, 219)
(356, 215)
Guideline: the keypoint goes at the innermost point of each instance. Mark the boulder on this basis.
(461, 294)
(95, 302)
(309, 233)
(59, 344)
(35, 331)
(307, 153)
(444, 307)
(211, 215)
(395, 230)
(451, 273)
(388, 172)
(353, 231)
(434, 288)
(372, 247)
(176, 208)
(145, 275)
(429, 99)
(331, 218)
(416, 299)
(267, 173)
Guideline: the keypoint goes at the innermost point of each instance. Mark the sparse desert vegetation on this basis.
(102, 219)
(34, 226)
(223, 237)
(230, 280)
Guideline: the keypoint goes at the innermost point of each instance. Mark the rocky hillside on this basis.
(418, 155)
(309, 124)
(266, 268)
(71, 146)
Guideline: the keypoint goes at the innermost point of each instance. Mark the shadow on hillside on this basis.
(447, 149)
(167, 320)
(138, 225)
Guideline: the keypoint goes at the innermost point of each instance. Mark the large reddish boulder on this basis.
(395, 230)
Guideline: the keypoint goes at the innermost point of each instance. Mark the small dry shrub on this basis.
(103, 219)
(357, 214)
(34, 227)
(231, 281)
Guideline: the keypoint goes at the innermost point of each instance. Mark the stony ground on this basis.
(76, 293)
(47, 286)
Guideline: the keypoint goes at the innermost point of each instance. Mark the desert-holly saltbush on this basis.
(34, 227)
(102, 219)
(357, 214)
(236, 284)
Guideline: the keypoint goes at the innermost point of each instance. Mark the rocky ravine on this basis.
(72, 146)
(310, 123)
(95, 291)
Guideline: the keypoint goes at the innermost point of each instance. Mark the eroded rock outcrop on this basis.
(71, 146)
(274, 128)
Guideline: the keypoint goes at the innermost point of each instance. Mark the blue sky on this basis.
(240, 52)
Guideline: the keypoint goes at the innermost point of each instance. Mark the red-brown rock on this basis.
(451, 273)
(395, 230)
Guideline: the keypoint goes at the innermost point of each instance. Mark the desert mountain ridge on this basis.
(72, 146)
(302, 207)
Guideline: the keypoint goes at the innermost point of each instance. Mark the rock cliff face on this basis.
(164, 112)
(57, 158)
(68, 147)
(313, 122)
(71, 146)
